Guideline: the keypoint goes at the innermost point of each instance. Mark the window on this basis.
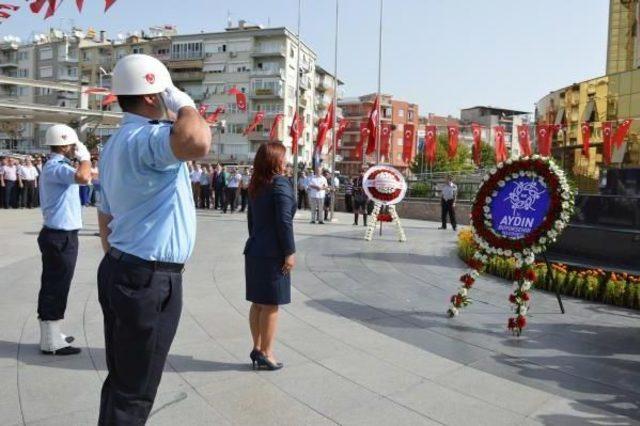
(137, 49)
(400, 112)
(232, 108)
(189, 50)
(46, 53)
(289, 111)
(214, 68)
(216, 88)
(23, 72)
(291, 92)
(46, 72)
(162, 52)
(399, 141)
(23, 56)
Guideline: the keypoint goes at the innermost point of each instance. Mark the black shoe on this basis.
(254, 357)
(313, 222)
(265, 364)
(320, 223)
(69, 350)
(69, 339)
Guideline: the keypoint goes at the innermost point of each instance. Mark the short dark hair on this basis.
(129, 103)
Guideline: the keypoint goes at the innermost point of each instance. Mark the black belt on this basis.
(150, 264)
(59, 231)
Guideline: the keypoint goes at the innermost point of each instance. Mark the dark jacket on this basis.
(270, 220)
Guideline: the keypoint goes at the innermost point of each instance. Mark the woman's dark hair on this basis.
(266, 165)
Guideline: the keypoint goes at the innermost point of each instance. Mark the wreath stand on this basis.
(371, 228)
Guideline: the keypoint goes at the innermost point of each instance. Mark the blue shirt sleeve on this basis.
(104, 206)
(155, 150)
(284, 202)
(63, 173)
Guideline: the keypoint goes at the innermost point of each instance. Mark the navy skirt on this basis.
(266, 284)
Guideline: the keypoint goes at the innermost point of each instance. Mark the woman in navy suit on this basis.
(269, 252)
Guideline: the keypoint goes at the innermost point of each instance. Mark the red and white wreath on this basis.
(523, 250)
(384, 184)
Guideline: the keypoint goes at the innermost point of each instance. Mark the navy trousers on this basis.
(141, 302)
(59, 251)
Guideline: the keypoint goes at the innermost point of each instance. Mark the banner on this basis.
(213, 117)
(297, 127)
(523, 140)
(257, 119)
(323, 128)
(500, 146)
(202, 109)
(273, 133)
(477, 143)
(241, 98)
(342, 127)
(408, 141)
(372, 126)
(364, 137)
(385, 140)
(543, 133)
(621, 132)
(453, 132)
(607, 136)
(430, 142)
(585, 129)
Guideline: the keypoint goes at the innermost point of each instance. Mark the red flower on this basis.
(458, 300)
(512, 298)
(521, 321)
(453, 298)
(518, 275)
(530, 275)
(525, 297)
(511, 324)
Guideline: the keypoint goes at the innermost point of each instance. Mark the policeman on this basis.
(147, 225)
(58, 239)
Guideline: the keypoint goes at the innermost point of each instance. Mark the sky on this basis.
(443, 55)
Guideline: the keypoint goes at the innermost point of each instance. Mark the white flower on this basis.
(515, 175)
(523, 310)
(493, 170)
(517, 255)
(526, 285)
(486, 209)
(529, 259)
(488, 200)
(566, 195)
(565, 205)
(485, 178)
(521, 173)
(543, 240)
(507, 253)
(453, 310)
(494, 193)
(507, 178)
(500, 165)
(475, 274)
(501, 183)
(509, 161)
(462, 292)
(519, 263)
(500, 251)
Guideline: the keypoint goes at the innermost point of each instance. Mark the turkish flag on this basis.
(4, 15)
(108, 4)
(9, 6)
(273, 133)
(585, 129)
(51, 10)
(500, 146)
(241, 101)
(543, 132)
(297, 128)
(453, 140)
(607, 140)
(257, 119)
(431, 134)
(476, 129)
(372, 125)
(37, 5)
(364, 137)
(408, 141)
(213, 117)
(79, 3)
(621, 132)
(323, 128)
(385, 140)
(109, 99)
(523, 140)
(342, 127)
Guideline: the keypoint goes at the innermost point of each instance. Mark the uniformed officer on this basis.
(147, 225)
(58, 239)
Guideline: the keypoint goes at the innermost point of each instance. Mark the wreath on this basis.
(390, 193)
(524, 175)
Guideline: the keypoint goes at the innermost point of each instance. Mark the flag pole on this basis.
(334, 119)
(296, 113)
(378, 124)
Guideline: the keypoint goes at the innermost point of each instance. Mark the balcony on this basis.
(67, 77)
(187, 76)
(261, 52)
(176, 64)
(68, 59)
(258, 136)
(8, 63)
(279, 72)
(265, 93)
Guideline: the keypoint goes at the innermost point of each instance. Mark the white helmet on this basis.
(60, 135)
(140, 75)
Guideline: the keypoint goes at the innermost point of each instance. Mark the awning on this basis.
(37, 113)
(213, 68)
(560, 116)
(589, 111)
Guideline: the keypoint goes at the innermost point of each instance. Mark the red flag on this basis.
(523, 140)
(4, 15)
(241, 98)
(607, 133)
(202, 109)
(273, 133)
(453, 140)
(109, 99)
(257, 119)
(431, 133)
(477, 142)
(585, 129)
(342, 127)
(364, 137)
(51, 10)
(621, 132)
(9, 6)
(213, 117)
(79, 3)
(297, 126)
(544, 139)
(323, 128)
(500, 146)
(108, 4)
(372, 125)
(385, 140)
(94, 90)
(37, 5)
(408, 142)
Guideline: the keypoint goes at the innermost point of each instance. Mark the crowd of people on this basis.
(220, 187)
(20, 182)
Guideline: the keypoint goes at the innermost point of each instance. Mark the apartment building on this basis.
(490, 117)
(326, 88)
(394, 112)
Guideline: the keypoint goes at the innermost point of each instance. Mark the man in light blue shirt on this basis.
(147, 227)
(58, 239)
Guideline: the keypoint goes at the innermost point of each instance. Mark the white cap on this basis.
(140, 75)
(60, 135)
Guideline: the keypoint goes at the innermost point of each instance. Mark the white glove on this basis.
(82, 153)
(175, 99)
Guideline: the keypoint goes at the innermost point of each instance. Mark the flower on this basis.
(512, 298)
(521, 321)
(511, 324)
(530, 275)
(525, 297)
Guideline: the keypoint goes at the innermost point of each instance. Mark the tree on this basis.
(487, 156)
(460, 163)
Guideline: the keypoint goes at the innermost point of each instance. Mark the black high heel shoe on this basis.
(265, 363)
(254, 357)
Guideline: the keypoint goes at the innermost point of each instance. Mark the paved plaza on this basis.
(365, 341)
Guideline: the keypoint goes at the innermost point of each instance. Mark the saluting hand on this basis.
(289, 264)
(175, 99)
